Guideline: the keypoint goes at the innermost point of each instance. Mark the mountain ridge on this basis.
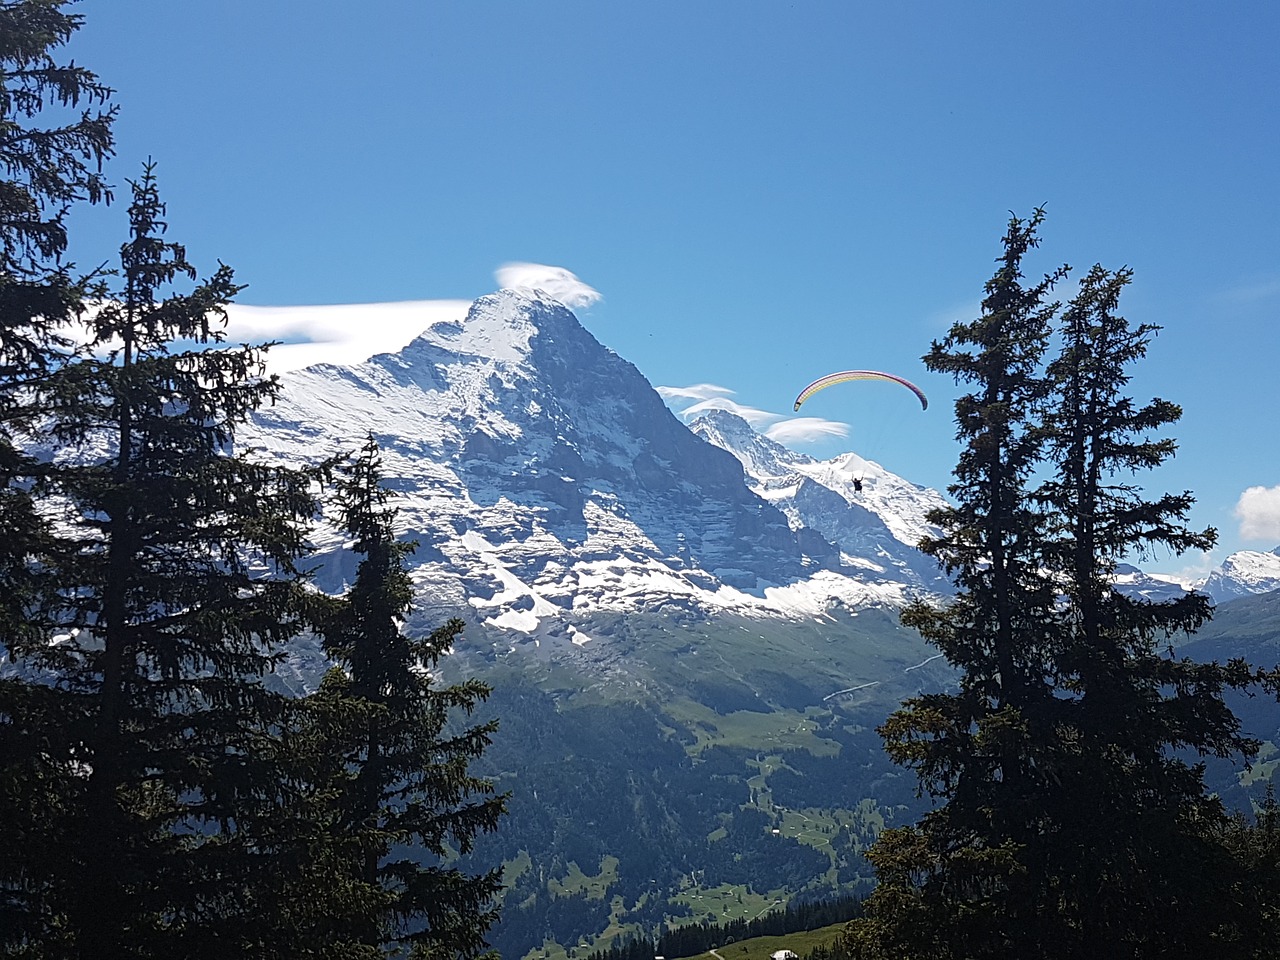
(543, 477)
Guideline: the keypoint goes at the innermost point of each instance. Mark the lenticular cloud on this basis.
(806, 430)
(696, 391)
(556, 282)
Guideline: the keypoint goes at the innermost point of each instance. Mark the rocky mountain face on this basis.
(543, 478)
(875, 527)
(690, 631)
(1243, 574)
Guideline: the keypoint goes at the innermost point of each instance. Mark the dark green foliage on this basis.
(974, 749)
(46, 169)
(43, 169)
(1252, 927)
(158, 800)
(635, 948)
(1068, 821)
(404, 799)
(176, 583)
(1141, 804)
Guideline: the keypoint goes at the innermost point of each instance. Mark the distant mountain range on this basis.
(543, 478)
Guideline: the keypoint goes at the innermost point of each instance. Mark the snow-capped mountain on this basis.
(543, 476)
(1243, 574)
(875, 517)
(1136, 582)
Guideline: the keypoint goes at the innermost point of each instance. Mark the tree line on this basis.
(159, 799)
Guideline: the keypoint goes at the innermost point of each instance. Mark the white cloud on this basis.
(556, 282)
(1258, 511)
(775, 426)
(337, 333)
(696, 391)
(806, 430)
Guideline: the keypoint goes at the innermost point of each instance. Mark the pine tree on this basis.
(48, 169)
(1137, 803)
(44, 170)
(1253, 892)
(178, 588)
(405, 796)
(1066, 825)
(977, 750)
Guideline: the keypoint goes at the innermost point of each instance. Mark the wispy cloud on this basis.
(350, 333)
(1264, 289)
(344, 333)
(806, 430)
(1258, 511)
(556, 282)
(339, 333)
(696, 391)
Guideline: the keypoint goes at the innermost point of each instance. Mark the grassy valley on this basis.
(678, 770)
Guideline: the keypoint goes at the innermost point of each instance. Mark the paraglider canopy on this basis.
(844, 376)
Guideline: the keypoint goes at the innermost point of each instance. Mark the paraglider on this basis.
(845, 376)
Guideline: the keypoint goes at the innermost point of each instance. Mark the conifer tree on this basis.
(55, 133)
(977, 750)
(1136, 802)
(178, 586)
(1253, 891)
(158, 801)
(46, 169)
(404, 794)
(1065, 825)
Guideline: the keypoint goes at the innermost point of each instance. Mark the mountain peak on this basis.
(1242, 574)
(544, 479)
(500, 326)
(541, 472)
(855, 503)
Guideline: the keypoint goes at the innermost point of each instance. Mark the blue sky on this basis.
(762, 192)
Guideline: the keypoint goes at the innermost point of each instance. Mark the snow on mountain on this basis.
(542, 476)
(876, 527)
(1243, 574)
(1135, 582)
